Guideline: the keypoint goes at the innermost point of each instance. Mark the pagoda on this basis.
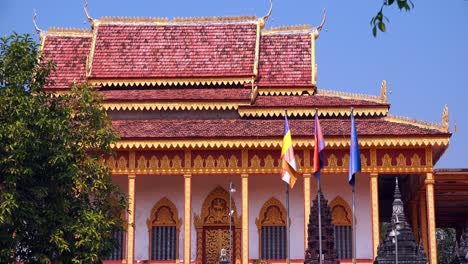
(200, 102)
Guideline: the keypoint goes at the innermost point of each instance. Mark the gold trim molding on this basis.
(287, 29)
(232, 105)
(170, 81)
(286, 90)
(415, 122)
(307, 111)
(68, 32)
(356, 96)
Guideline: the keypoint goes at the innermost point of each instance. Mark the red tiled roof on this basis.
(219, 94)
(310, 101)
(255, 128)
(69, 55)
(285, 60)
(174, 51)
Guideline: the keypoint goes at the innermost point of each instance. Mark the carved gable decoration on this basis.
(232, 163)
(111, 162)
(176, 162)
(341, 212)
(332, 161)
(415, 161)
(272, 213)
(215, 209)
(122, 163)
(386, 160)
(269, 162)
(221, 162)
(164, 213)
(401, 160)
(154, 163)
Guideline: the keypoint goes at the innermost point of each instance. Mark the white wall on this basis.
(150, 189)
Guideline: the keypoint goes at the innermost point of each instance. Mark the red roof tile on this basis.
(310, 101)
(285, 60)
(69, 55)
(255, 128)
(219, 94)
(174, 51)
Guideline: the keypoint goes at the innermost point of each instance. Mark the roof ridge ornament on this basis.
(38, 30)
(445, 118)
(383, 91)
(265, 17)
(316, 30)
(85, 7)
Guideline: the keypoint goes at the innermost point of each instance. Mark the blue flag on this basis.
(354, 155)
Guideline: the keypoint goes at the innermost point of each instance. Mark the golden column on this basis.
(187, 216)
(414, 219)
(306, 206)
(131, 219)
(423, 219)
(245, 218)
(431, 218)
(374, 190)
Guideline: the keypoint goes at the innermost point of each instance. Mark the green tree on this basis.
(57, 201)
(446, 240)
(378, 21)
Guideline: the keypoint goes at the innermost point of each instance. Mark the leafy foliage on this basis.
(57, 201)
(446, 240)
(378, 21)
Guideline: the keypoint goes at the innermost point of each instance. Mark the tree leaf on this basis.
(382, 26)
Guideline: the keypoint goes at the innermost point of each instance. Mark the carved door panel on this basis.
(215, 239)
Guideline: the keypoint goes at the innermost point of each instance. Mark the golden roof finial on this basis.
(265, 18)
(383, 91)
(445, 118)
(38, 30)
(319, 27)
(85, 7)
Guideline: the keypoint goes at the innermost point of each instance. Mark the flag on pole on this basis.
(319, 146)
(354, 155)
(288, 161)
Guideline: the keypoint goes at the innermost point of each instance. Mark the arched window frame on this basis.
(173, 220)
(341, 217)
(266, 219)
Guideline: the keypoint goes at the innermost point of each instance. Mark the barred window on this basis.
(163, 228)
(341, 219)
(117, 251)
(271, 225)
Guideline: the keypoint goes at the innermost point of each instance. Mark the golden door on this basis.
(215, 239)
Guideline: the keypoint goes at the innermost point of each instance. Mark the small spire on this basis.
(317, 29)
(397, 194)
(445, 118)
(38, 30)
(85, 7)
(265, 18)
(383, 91)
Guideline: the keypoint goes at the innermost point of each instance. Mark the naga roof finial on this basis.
(320, 27)
(85, 7)
(383, 91)
(265, 18)
(38, 30)
(445, 118)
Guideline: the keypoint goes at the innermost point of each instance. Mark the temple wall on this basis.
(149, 190)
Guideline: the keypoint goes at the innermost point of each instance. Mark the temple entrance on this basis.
(213, 228)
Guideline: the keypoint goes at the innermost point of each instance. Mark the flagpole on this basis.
(319, 221)
(354, 224)
(288, 234)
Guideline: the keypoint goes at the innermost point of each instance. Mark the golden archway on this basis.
(273, 213)
(341, 212)
(213, 227)
(164, 213)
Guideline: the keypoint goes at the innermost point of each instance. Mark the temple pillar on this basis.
(187, 216)
(131, 219)
(415, 220)
(306, 206)
(423, 219)
(245, 218)
(374, 190)
(429, 182)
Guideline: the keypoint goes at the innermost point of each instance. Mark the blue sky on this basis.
(423, 56)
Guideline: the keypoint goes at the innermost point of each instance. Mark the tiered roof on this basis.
(220, 64)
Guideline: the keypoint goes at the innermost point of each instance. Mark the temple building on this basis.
(200, 103)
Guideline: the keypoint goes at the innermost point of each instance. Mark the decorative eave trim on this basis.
(313, 64)
(171, 81)
(276, 143)
(90, 57)
(68, 32)
(294, 29)
(285, 90)
(309, 111)
(415, 122)
(231, 105)
(344, 95)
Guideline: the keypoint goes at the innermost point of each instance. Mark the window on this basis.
(163, 228)
(341, 219)
(271, 225)
(117, 251)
